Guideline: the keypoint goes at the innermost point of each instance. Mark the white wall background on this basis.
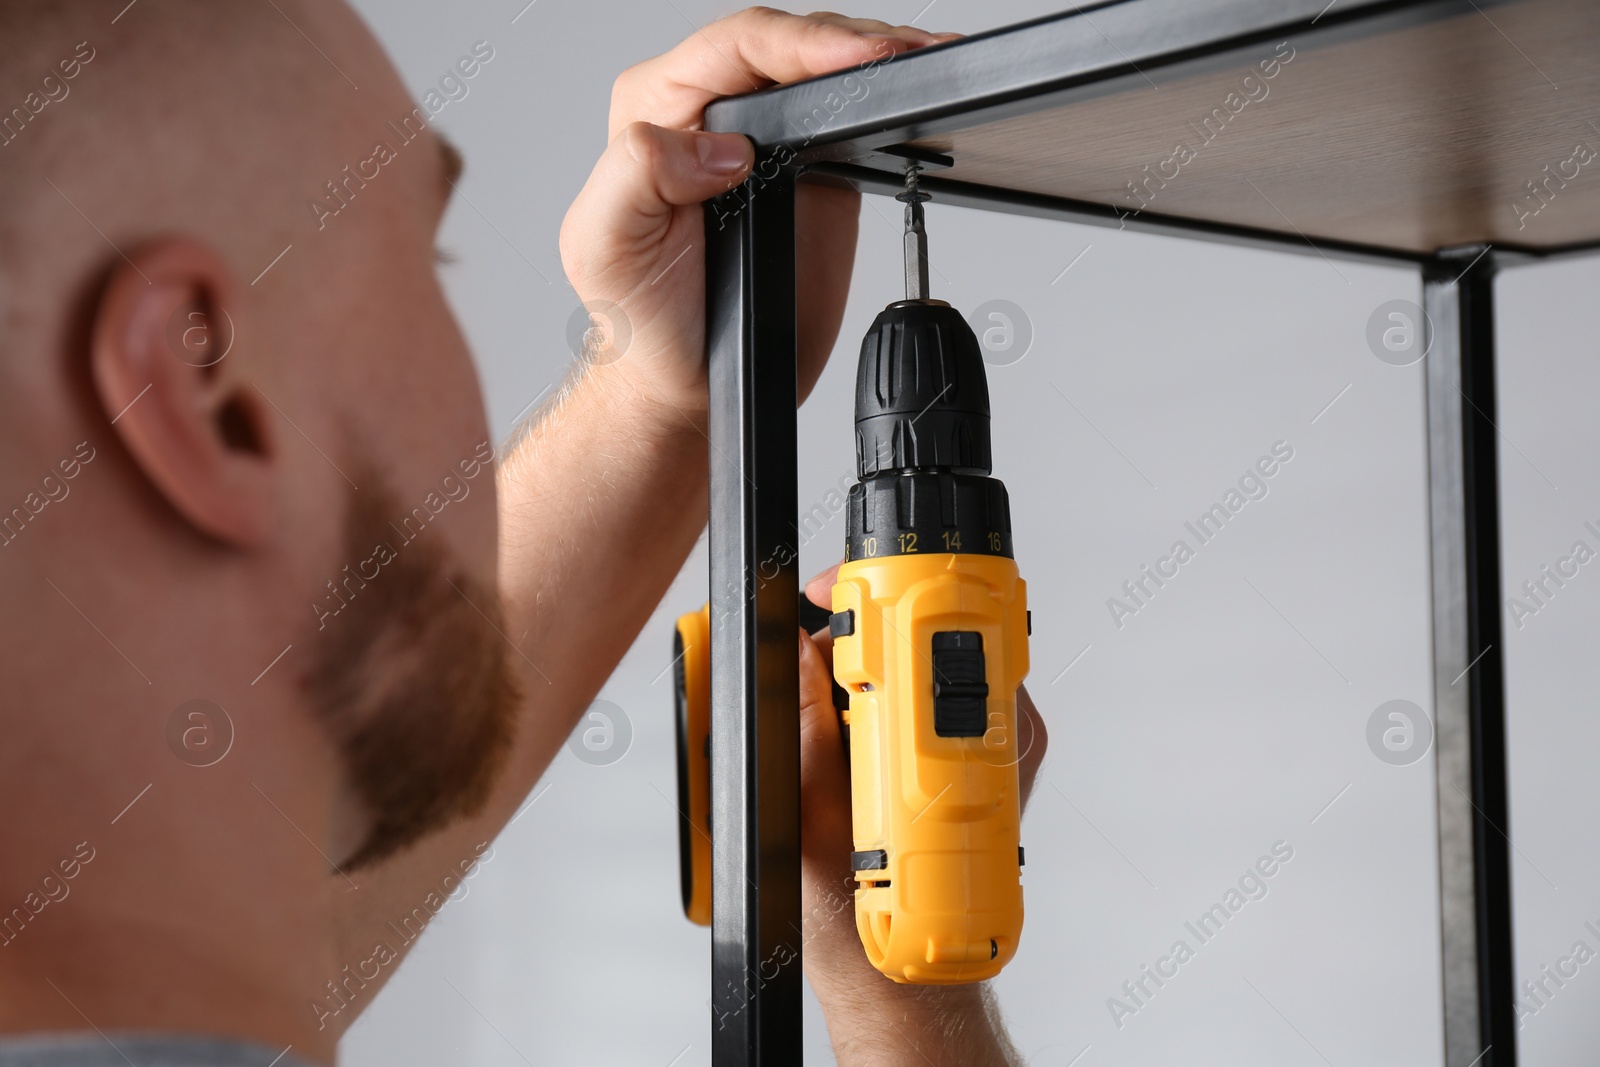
(1224, 717)
(1549, 378)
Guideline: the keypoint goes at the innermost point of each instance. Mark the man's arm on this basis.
(603, 498)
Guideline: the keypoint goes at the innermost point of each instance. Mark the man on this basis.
(253, 521)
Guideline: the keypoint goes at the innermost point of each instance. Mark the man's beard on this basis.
(411, 678)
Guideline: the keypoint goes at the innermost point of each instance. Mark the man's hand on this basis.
(634, 238)
(871, 1019)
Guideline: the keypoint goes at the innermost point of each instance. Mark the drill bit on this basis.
(916, 236)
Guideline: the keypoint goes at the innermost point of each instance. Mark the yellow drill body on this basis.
(943, 811)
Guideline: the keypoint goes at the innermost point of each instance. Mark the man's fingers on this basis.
(743, 53)
(1034, 736)
(824, 770)
(912, 35)
(824, 642)
(819, 720)
(819, 590)
(628, 201)
(876, 27)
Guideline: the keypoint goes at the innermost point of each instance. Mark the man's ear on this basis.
(163, 360)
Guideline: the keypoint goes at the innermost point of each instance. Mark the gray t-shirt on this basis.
(142, 1050)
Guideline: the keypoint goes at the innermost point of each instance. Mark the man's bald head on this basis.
(183, 114)
(231, 125)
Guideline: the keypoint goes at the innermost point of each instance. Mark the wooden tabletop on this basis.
(1407, 127)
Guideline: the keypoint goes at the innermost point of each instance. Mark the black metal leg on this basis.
(755, 732)
(1469, 695)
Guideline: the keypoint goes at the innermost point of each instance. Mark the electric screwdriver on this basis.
(930, 629)
(930, 641)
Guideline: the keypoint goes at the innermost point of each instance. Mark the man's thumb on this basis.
(644, 174)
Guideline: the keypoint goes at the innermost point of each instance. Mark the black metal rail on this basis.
(1469, 692)
(755, 725)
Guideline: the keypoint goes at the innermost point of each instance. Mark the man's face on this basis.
(410, 672)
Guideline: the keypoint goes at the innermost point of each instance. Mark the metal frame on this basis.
(1468, 689)
(755, 732)
(756, 927)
